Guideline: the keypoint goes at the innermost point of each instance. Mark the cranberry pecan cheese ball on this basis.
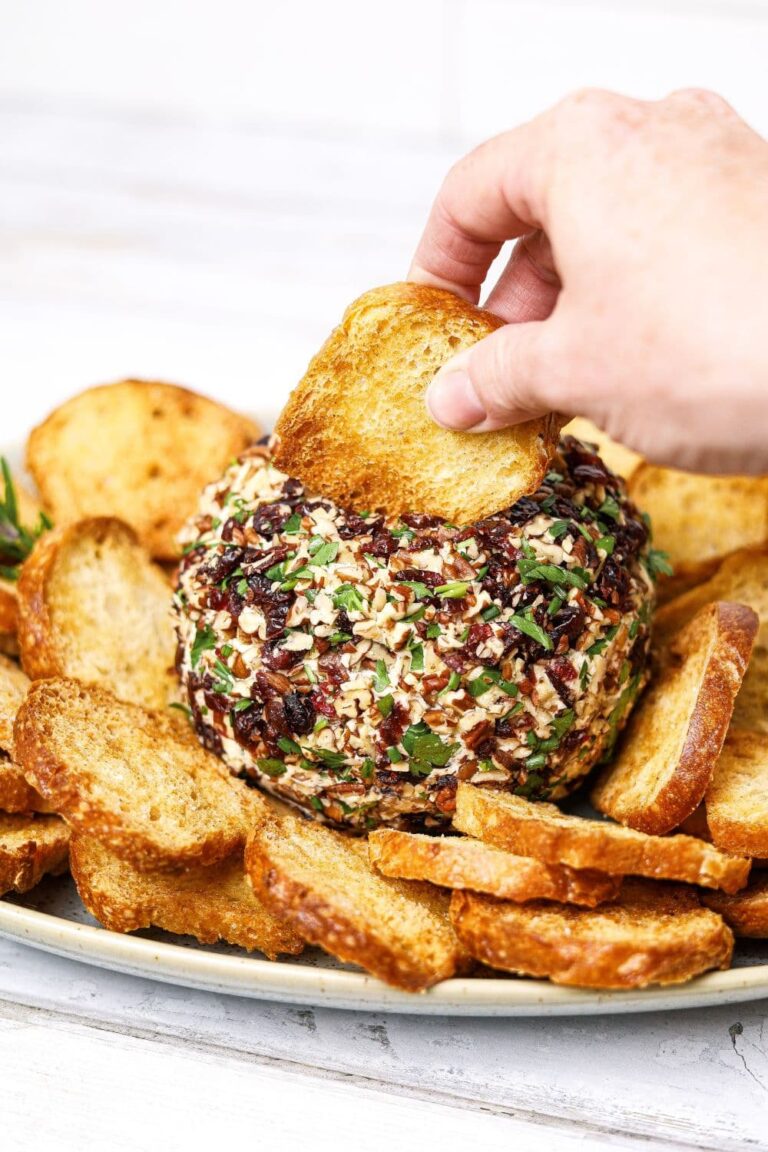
(359, 667)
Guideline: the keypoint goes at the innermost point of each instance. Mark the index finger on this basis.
(488, 197)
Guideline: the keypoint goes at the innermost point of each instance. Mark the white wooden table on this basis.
(218, 254)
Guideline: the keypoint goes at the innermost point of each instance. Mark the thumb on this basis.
(515, 374)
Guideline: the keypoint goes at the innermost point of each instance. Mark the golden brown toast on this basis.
(620, 459)
(461, 862)
(93, 607)
(737, 798)
(746, 913)
(698, 519)
(544, 832)
(128, 777)
(138, 450)
(356, 428)
(16, 795)
(651, 934)
(9, 616)
(671, 744)
(321, 882)
(210, 903)
(13, 688)
(742, 578)
(30, 846)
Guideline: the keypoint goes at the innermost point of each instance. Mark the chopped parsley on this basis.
(205, 638)
(610, 508)
(272, 767)
(348, 597)
(292, 525)
(491, 612)
(325, 553)
(417, 658)
(658, 563)
(385, 704)
(531, 570)
(419, 589)
(381, 679)
(290, 747)
(433, 631)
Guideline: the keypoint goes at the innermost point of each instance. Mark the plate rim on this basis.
(286, 982)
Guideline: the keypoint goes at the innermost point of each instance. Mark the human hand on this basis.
(637, 293)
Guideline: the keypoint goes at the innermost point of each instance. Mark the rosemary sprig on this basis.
(16, 541)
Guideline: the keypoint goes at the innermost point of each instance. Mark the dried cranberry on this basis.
(332, 667)
(568, 621)
(420, 520)
(522, 511)
(393, 726)
(270, 519)
(222, 567)
(246, 723)
(299, 713)
(422, 575)
(293, 488)
(275, 720)
(353, 525)
(383, 544)
(209, 737)
(276, 658)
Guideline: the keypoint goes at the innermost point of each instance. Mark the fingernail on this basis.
(453, 402)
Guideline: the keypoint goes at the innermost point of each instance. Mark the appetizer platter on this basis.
(371, 714)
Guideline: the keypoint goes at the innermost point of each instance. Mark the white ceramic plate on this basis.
(52, 918)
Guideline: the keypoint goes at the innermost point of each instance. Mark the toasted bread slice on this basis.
(651, 934)
(210, 903)
(620, 459)
(321, 882)
(698, 520)
(93, 607)
(16, 795)
(544, 832)
(9, 617)
(14, 684)
(746, 913)
(127, 777)
(461, 862)
(138, 450)
(30, 846)
(743, 579)
(696, 824)
(737, 798)
(673, 739)
(379, 362)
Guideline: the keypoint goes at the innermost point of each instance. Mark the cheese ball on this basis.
(359, 667)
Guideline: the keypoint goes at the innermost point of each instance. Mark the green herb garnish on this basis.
(526, 624)
(16, 541)
(453, 590)
(272, 767)
(348, 597)
(205, 638)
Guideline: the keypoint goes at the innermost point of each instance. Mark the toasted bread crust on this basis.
(742, 578)
(171, 440)
(342, 906)
(737, 797)
(16, 795)
(98, 762)
(542, 831)
(699, 519)
(380, 360)
(211, 903)
(746, 913)
(13, 688)
(67, 627)
(666, 761)
(459, 862)
(9, 608)
(30, 846)
(652, 934)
